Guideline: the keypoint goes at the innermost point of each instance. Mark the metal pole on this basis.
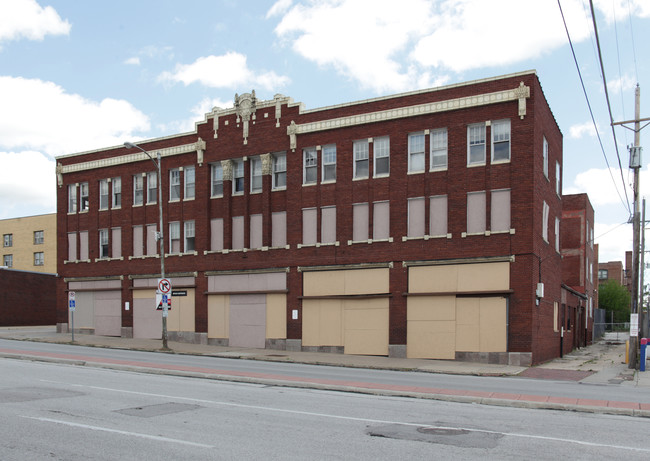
(643, 317)
(162, 251)
(634, 344)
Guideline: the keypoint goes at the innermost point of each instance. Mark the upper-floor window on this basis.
(476, 144)
(501, 141)
(558, 178)
(174, 184)
(256, 174)
(438, 160)
(217, 180)
(8, 240)
(279, 170)
(381, 156)
(476, 212)
(83, 193)
(310, 166)
(8, 260)
(152, 187)
(603, 274)
(329, 163)
(190, 187)
(103, 194)
(416, 152)
(117, 192)
(72, 198)
(545, 157)
(174, 237)
(361, 159)
(238, 177)
(39, 237)
(138, 189)
(103, 243)
(189, 236)
(39, 258)
(545, 215)
(557, 234)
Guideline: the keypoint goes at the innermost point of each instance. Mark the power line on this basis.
(629, 14)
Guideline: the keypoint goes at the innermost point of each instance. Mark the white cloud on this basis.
(620, 9)
(226, 71)
(41, 115)
(134, 61)
(198, 115)
(626, 82)
(613, 241)
(582, 129)
(599, 185)
(27, 181)
(278, 8)
(27, 19)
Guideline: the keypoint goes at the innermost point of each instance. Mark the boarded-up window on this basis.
(416, 217)
(328, 224)
(279, 229)
(380, 220)
(216, 234)
(500, 212)
(309, 218)
(256, 231)
(237, 232)
(83, 245)
(138, 248)
(116, 242)
(151, 240)
(475, 212)
(72, 246)
(438, 215)
(359, 222)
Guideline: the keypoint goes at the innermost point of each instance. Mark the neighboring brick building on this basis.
(27, 298)
(612, 270)
(422, 224)
(29, 243)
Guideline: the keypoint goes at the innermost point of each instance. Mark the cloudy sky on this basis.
(77, 76)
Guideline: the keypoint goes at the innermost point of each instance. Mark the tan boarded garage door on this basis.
(99, 311)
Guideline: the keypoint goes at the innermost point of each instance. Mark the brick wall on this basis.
(27, 298)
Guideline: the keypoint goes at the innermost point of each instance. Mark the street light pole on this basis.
(160, 233)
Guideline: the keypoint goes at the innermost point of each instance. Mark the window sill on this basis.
(382, 175)
(77, 261)
(188, 199)
(174, 200)
(360, 179)
(475, 165)
(415, 172)
(237, 194)
(436, 170)
(426, 237)
(256, 192)
(309, 184)
(152, 203)
(216, 196)
(188, 253)
(329, 181)
(499, 162)
(102, 209)
(369, 241)
(144, 257)
(318, 245)
(83, 211)
(136, 205)
(487, 233)
(116, 208)
(121, 258)
(274, 189)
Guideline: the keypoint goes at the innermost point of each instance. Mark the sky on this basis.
(77, 76)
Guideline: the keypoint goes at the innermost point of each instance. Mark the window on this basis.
(117, 192)
(545, 213)
(138, 191)
(83, 246)
(309, 166)
(279, 229)
(309, 229)
(8, 240)
(476, 144)
(555, 316)
(438, 157)
(361, 159)
(39, 258)
(72, 198)
(476, 212)
(438, 215)
(591, 238)
(216, 234)
(415, 217)
(256, 174)
(279, 170)
(8, 260)
(557, 234)
(138, 241)
(238, 177)
(237, 232)
(189, 236)
(328, 224)
(83, 192)
(152, 187)
(103, 194)
(381, 221)
(116, 242)
(500, 211)
(189, 173)
(501, 141)
(39, 237)
(545, 157)
(103, 243)
(174, 184)
(256, 231)
(603, 274)
(360, 222)
(381, 156)
(329, 163)
(416, 152)
(558, 179)
(152, 238)
(72, 246)
(174, 237)
(217, 180)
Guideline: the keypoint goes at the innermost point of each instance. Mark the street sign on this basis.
(72, 304)
(161, 300)
(634, 324)
(179, 293)
(164, 286)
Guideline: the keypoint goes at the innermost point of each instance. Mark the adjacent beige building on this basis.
(29, 243)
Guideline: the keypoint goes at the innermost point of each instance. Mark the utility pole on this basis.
(643, 318)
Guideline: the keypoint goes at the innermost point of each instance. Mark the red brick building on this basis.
(423, 224)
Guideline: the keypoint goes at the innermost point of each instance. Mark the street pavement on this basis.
(602, 363)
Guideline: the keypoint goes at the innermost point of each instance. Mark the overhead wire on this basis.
(629, 14)
(584, 90)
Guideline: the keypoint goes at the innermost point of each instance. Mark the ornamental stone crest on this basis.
(245, 107)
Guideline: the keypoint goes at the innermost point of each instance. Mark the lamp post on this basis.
(130, 145)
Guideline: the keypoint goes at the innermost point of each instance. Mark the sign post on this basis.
(72, 305)
(164, 290)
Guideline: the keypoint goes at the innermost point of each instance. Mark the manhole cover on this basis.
(150, 411)
(443, 435)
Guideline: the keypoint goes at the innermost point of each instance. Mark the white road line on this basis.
(366, 420)
(115, 431)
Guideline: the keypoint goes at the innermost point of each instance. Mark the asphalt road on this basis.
(296, 372)
(62, 412)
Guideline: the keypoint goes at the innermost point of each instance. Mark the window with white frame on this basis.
(328, 224)
(152, 239)
(361, 159)
(476, 212)
(174, 185)
(72, 246)
(415, 217)
(175, 237)
(116, 242)
(256, 237)
(8, 240)
(217, 180)
(360, 222)
(238, 177)
(83, 246)
(438, 215)
(416, 153)
(279, 170)
(39, 258)
(381, 220)
(8, 260)
(117, 192)
(557, 234)
(103, 194)
(329, 163)
(476, 144)
(72, 198)
(500, 210)
(216, 234)
(237, 232)
(591, 238)
(545, 216)
(545, 157)
(310, 166)
(138, 189)
(256, 174)
(189, 174)
(279, 229)
(501, 140)
(309, 226)
(103, 243)
(152, 187)
(189, 236)
(83, 195)
(138, 241)
(39, 237)
(438, 155)
(558, 178)
(381, 156)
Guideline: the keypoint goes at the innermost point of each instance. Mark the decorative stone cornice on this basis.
(266, 164)
(226, 167)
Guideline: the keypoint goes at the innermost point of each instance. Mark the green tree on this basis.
(614, 298)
